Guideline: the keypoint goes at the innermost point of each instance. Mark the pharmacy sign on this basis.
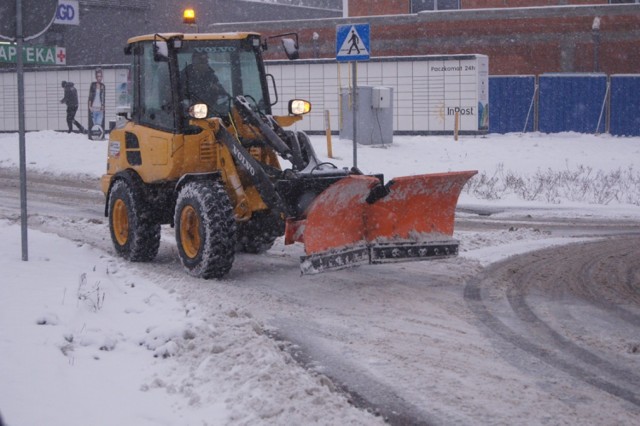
(41, 55)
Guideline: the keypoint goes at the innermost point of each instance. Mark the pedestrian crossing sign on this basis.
(352, 42)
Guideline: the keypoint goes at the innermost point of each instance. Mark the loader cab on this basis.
(214, 72)
(173, 72)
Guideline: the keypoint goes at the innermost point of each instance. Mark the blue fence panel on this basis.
(625, 105)
(510, 103)
(571, 102)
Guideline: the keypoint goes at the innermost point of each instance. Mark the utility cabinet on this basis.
(374, 115)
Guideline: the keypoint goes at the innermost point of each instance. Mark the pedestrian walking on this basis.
(71, 100)
(354, 40)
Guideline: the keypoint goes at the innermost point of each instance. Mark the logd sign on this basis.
(42, 55)
(67, 13)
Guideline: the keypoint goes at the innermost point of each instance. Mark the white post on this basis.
(354, 108)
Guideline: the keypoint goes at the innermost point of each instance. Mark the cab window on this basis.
(155, 104)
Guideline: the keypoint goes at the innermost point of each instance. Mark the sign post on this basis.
(352, 45)
(21, 135)
(19, 60)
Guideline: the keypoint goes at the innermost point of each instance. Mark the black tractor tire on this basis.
(205, 229)
(254, 237)
(135, 234)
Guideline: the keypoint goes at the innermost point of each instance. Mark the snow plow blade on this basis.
(359, 220)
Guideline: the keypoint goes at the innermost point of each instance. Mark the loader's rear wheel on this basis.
(205, 229)
(135, 235)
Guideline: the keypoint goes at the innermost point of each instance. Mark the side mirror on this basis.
(160, 51)
(290, 45)
(291, 48)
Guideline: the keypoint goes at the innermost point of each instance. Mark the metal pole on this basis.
(596, 48)
(604, 104)
(23, 162)
(533, 98)
(354, 107)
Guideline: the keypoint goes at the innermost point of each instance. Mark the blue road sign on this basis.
(353, 42)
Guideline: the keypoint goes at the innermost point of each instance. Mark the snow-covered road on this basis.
(549, 336)
(417, 343)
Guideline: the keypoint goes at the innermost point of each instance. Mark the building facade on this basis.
(519, 36)
(398, 7)
(532, 40)
(561, 36)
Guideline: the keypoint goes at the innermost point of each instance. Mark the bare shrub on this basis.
(581, 184)
(93, 296)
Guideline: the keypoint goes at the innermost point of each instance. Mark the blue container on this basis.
(625, 105)
(571, 102)
(510, 100)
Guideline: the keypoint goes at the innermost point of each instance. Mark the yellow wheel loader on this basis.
(200, 150)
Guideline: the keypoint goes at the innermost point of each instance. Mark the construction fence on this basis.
(550, 103)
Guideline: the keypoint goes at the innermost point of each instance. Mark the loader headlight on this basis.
(299, 107)
(198, 111)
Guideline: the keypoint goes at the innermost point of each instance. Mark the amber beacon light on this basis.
(189, 16)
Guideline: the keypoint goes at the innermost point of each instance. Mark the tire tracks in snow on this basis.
(571, 279)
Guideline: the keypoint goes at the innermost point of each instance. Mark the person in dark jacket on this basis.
(71, 100)
(200, 82)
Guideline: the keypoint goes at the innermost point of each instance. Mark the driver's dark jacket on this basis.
(200, 84)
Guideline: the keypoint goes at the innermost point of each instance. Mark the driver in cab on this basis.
(200, 83)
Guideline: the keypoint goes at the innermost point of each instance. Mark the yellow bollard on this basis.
(456, 126)
(327, 126)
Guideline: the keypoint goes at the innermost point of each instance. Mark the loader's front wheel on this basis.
(205, 229)
(135, 234)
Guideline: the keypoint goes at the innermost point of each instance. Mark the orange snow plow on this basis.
(359, 220)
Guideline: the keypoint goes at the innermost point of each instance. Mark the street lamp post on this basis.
(595, 33)
(316, 48)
